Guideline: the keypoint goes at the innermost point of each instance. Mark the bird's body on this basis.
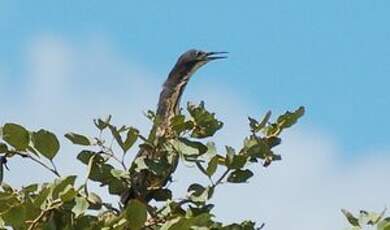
(144, 181)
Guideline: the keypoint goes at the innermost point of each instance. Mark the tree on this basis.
(65, 204)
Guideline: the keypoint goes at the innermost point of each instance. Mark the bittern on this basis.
(143, 182)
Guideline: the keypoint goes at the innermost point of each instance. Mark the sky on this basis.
(64, 63)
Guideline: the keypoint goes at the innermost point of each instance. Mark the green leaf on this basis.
(136, 214)
(370, 218)
(230, 150)
(264, 121)
(205, 123)
(7, 200)
(162, 194)
(239, 176)
(379, 216)
(351, 219)
(78, 139)
(158, 167)
(116, 134)
(3, 148)
(46, 143)
(68, 193)
(198, 193)
(179, 125)
(290, 118)
(195, 211)
(272, 130)
(87, 222)
(256, 147)
(32, 212)
(253, 124)
(101, 172)
(196, 189)
(185, 148)
(245, 225)
(30, 188)
(60, 185)
(32, 150)
(120, 174)
(194, 144)
(201, 221)
(15, 216)
(150, 115)
(234, 161)
(272, 141)
(384, 224)
(211, 149)
(89, 170)
(131, 138)
(81, 206)
(116, 187)
(6, 187)
(102, 124)
(212, 166)
(16, 135)
(43, 195)
(95, 202)
(85, 155)
(176, 224)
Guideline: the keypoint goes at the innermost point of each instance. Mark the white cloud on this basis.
(65, 86)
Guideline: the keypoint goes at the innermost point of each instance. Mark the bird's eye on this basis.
(199, 53)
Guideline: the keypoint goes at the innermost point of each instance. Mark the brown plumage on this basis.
(144, 182)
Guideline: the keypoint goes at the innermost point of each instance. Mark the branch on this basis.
(44, 165)
(108, 152)
(219, 181)
(53, 170)
(36, 221)
(121, 162)
(109, 206)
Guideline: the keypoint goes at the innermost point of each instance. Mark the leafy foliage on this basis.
(67, 203)
(365, 219)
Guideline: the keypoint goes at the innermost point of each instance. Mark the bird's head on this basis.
(189, 62)
(199, 57)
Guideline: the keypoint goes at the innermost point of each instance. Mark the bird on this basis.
(143, 182)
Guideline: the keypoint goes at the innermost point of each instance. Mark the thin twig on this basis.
(109, 206)
(123, 161)
(42, 164)
(36, 221)
(115, 158)
(112, 142)
(54, 166)
(108, 151)
(219, 181)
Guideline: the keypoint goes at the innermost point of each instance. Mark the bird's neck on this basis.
(170, 96)
(173, 88)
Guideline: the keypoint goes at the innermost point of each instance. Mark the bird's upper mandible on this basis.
(194, 55)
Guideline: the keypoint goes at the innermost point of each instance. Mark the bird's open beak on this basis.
(215, 55)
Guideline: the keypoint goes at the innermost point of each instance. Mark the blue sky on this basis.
(68, 60)
(331, 56)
